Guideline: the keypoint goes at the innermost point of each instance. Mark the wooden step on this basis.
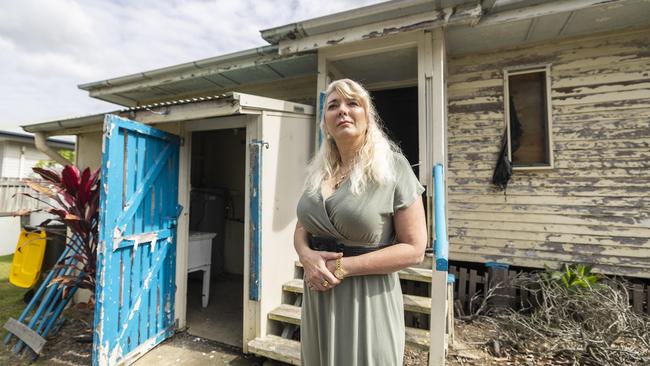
(286, 313)
(294, 285)
(416, 274)
(291, 314)
(277, 348)
(418, 338)
(419, 273)
(416, 304)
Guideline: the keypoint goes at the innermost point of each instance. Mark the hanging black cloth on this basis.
(503, 170)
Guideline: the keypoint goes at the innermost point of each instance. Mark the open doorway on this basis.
(391, 77)
(398, 110)
(216, 240)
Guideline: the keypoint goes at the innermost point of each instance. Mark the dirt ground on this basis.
(474, 346)
(72, 346)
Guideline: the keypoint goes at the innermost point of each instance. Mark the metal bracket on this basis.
(260, 142)
(164, 110)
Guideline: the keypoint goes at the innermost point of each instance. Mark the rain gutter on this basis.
(40, 141)
(182, 71)
(346, 19)
(546, 8)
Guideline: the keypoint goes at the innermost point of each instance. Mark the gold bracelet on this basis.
(338, 271)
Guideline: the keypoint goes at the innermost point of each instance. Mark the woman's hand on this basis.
(316, 269)
(331, 265)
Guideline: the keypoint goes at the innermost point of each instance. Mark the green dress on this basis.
(360, 321)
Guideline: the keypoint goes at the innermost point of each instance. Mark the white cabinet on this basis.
(200, 254)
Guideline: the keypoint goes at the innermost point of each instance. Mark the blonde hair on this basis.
(374, 160)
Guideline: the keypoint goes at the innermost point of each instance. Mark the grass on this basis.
(11, 297)
(11, 300)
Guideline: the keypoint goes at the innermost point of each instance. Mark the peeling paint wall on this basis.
(594, 206)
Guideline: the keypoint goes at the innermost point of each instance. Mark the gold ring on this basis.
(325, 283)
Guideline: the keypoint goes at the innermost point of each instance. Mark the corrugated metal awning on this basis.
(173, 111)
(203, 77)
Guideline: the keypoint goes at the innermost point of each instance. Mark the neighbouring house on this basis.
(18, 155)
(558, 89)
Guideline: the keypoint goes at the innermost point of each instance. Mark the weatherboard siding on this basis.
(594, 205)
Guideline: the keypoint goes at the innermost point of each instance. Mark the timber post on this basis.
(436, 112)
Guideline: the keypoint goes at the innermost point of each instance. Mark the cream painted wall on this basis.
(284, 163)
(89, 150)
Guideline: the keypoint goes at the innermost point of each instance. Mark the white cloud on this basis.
(48, 47)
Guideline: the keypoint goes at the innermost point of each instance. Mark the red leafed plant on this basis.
(74, 201)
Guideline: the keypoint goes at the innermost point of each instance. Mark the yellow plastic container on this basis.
(28, 259)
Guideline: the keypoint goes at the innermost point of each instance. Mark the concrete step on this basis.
(291, 314)
(416, 304)
(276, 348)
(420, 274)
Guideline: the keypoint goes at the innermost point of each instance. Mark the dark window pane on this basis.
(528, 119)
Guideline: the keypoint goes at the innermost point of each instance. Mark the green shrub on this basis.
(573, 276)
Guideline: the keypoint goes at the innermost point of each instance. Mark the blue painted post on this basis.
(147, 317)
(46, 326)
(158, 283)
(321, 105)
(108, 268)
(129, 185)
(255, 283)
(40, 291)
(441, 245)
(139, 330)
(51, 297)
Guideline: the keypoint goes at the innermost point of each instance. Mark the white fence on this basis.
(11, 199)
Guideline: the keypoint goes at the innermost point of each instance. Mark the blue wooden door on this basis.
(136, 256)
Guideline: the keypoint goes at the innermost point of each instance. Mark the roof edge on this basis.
(180, 68)
(17, 136)
(65, 124)
(370, 13)
(164, 112)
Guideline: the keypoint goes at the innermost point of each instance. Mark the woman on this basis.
(360, 220)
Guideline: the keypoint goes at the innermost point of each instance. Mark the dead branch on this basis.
(585, 326)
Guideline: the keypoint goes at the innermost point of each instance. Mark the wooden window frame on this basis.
(549, 116)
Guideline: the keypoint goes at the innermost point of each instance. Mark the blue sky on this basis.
(48, 47)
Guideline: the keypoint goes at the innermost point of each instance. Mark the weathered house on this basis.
(587, 201)
(18, 155)
(566, 83)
